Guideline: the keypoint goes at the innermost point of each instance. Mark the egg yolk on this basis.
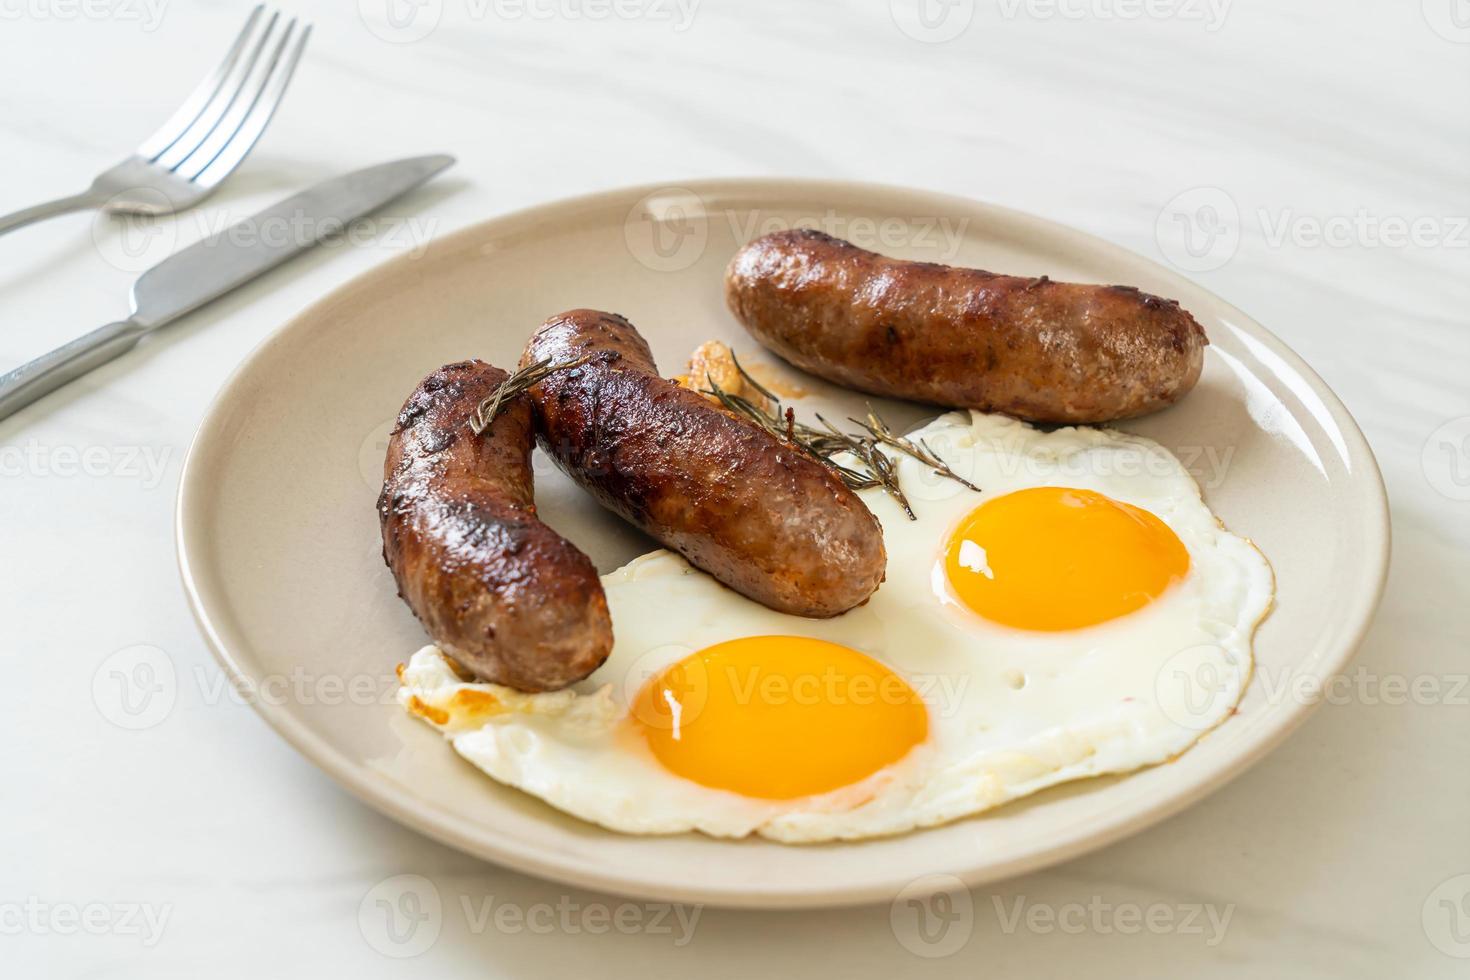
(1054, 558)
(779, 717)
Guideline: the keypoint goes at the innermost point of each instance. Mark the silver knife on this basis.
(210, 268)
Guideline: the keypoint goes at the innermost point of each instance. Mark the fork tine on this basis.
(220, 103)
(243, 139)
(191, 107)
(249, 96)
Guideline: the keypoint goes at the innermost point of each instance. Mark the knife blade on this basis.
(214, 266)
(209, 268)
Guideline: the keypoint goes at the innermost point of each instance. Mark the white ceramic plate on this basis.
(280, 554)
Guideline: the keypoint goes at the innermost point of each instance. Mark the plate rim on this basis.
(443, 826)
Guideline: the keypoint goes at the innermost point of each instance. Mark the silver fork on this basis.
(205, 139)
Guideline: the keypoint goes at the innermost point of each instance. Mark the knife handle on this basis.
(66, 363)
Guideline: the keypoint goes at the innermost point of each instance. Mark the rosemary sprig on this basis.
(519, 381)
(879, 430)
(875, 468)
(880, 468)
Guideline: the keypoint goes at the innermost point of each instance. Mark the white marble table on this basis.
(1322, 148)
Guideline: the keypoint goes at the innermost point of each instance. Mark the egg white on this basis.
(1011, 711)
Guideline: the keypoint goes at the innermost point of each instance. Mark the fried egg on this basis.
(1081, 613)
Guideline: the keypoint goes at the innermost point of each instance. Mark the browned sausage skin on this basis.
(495, 588)
(1036, 349)
(757, 514)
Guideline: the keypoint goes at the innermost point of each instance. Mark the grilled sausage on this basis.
(1036, 349)
(757, 514)
(495, 588)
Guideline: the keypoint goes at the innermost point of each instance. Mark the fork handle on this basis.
(62, 205)
(66, 363)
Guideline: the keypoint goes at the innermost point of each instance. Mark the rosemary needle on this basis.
(518, 383)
